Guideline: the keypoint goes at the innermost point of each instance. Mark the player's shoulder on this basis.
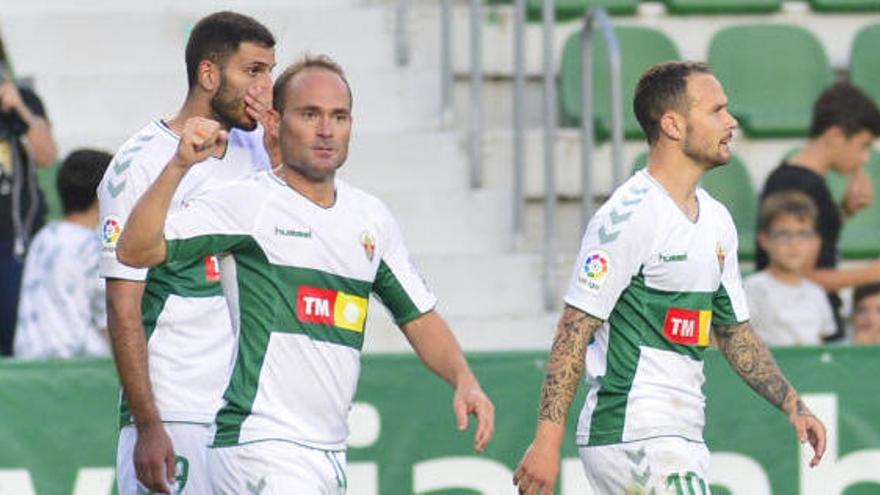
(714, 209)
(634, 208)
(361, 199)
(153, 145)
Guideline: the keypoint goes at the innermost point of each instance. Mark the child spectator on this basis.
(61, 309)
(866, 314)
(787, 308)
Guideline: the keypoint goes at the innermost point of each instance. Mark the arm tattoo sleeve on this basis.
(751, 360)
(566, 364)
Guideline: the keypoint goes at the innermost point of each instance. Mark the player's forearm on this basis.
(142, 243)
(436, 346)
(752, 361)
(565, 367)
(128, 341)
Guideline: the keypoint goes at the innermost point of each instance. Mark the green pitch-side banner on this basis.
(58, 435)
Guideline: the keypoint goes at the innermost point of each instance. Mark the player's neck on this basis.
(192, 107)
(679, 177)
(320, 192)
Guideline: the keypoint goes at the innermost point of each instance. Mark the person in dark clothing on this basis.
(845, 123)
(25, 143)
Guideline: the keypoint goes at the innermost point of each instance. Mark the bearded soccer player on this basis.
(657, 269)
(170, 328)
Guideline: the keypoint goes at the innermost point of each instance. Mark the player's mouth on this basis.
(323, 151)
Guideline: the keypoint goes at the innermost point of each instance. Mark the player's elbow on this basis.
(129, 253)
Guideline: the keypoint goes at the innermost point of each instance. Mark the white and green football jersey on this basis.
(298, 279)
(190, 339)
(660, 280)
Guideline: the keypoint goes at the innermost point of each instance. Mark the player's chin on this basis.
(246, 123)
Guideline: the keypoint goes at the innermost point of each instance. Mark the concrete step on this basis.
(484, 285)
(532, 333)
(452, 222)
(406, 161)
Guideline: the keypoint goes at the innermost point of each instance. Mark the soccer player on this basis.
(170, 328)
(305, 250)
(657, 268)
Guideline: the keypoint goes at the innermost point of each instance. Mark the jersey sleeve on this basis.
(398, 282)
(729, 303)
(123, 184)
(215, 222)
(612, 252)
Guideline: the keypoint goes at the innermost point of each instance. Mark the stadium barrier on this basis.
(58, 433)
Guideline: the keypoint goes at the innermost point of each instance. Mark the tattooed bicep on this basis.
(577, 321)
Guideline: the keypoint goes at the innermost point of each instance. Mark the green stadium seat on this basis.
(732, 185)
(640, 48)
(772, 74)
(864, 65)
(722, 6)
(567, 10)
(845, 5)
(860, 237)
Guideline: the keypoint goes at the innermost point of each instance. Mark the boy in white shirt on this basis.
(786, 307)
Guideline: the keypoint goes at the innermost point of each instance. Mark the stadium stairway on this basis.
(104, 68)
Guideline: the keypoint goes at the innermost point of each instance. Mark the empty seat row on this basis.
(772, 74)
(572, 9)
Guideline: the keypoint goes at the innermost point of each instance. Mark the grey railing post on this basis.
(549, 55)
(598, 16)
(475, 131)
(400, 33)
(446, 76)
(519, 124)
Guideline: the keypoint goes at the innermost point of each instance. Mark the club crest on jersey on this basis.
(722, 255)
(594, 271)
(111, 229)
(330, 307)
(369, 244)
(687, 326)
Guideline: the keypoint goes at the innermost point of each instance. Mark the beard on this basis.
(704, 156)
(228, 108)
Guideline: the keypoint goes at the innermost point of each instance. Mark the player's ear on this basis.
(208, 75)
(672, 124)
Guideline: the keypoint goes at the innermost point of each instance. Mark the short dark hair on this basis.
(788, 202)
(324, 62)
(864, 291)
(218, 36)
(78, 178)
(661, 88)
(846, 106)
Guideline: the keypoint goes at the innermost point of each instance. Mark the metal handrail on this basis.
(446, 76)
(519, 124)
(548, 15)
(475, 131)
(598, 15)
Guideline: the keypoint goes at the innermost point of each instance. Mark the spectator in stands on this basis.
(786, 308)
(61, 311)
(845, 123)
(866, 314)
(25, 143)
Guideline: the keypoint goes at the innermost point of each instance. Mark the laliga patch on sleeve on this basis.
(111, 229)
(594, 271)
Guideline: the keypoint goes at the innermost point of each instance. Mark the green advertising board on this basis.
(58, 434)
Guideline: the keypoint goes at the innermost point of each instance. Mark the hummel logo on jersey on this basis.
(330, 307)
(688, 326)
(305, 234)
(670, 258)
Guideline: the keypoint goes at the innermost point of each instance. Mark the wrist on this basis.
(549, 434)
